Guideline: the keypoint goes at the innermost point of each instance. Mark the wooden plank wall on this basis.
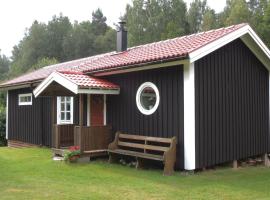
(232, 106)
(167, 121)
(33, 124)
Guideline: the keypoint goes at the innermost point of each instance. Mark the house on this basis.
(210, 90)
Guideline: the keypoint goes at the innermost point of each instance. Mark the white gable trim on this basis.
(57, 78)
(240, 33)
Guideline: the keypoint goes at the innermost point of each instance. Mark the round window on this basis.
(147, 98)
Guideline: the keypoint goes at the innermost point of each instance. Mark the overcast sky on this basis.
(16, 15)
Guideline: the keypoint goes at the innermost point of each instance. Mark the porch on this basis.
(92, 140)
(90, 130)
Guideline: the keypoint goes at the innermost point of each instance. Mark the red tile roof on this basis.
(175, 48)
(42, 73)
(85, 81)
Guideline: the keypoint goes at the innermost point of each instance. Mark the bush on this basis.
(3, 141)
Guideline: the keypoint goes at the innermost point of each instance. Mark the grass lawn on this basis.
(32, 174)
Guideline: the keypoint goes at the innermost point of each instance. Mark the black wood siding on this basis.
(167, 121)
(33, 123)
(232, 106)
(29, 123)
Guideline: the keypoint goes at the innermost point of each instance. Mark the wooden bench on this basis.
(143, 147)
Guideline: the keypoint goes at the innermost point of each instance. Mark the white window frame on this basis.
(138, 99)
(59, 120)
(21, 103)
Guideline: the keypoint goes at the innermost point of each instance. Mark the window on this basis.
(25, 99)
(147, 98)
(64, 110)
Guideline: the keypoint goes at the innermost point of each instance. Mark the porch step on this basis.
(58, 158)
(58, 152)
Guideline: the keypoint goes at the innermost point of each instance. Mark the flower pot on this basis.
(74, 159)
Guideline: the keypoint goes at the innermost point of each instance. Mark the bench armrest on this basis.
(170, 155)
(114, 144)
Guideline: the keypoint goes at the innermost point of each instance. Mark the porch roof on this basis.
(74, 83)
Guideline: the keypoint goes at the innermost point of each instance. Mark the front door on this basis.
(96, 109)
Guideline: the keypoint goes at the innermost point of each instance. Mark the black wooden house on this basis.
(210, 90)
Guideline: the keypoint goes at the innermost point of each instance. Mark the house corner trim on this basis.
(189, 116)
(7, 116)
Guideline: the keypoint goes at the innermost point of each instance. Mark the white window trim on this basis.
(59, 121)
(138, 99)
(25, 103)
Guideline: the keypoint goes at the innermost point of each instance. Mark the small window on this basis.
(147, 98)
(25, 99)
(65, 110)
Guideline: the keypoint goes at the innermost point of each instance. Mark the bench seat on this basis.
(137, 154)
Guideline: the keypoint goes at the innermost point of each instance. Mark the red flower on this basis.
(74, 148)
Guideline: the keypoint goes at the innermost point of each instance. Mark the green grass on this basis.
(32, 174)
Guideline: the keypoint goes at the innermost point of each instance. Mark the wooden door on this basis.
(96, 109)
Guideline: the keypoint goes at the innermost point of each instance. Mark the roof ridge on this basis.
(187, 36)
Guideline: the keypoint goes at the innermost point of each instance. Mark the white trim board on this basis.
(240, 33)
(7, 117)
(88, 110)
(105, 109)
(122, 70)
(57, 77)
(189, 117)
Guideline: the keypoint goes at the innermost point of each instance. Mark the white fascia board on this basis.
(209, 48)
(240, 33)
(122, 70)
(256, 50)
(189, 116)
(98, 91)
(59, 79)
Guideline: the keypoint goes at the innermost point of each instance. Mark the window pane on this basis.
(148, 98)
(62, 99)
(62, 115)
(68, 116)
(68, 99)
(68, 106)
(62, 106)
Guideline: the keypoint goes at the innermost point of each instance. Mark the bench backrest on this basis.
(144, 143)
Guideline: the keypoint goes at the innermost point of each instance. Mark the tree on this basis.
(195, 15)
(43, 62)
(238, 12)
(79, 42)
(154, 20)
(99, 26)
(60, 40)
(57, 28)
(176, 21)
(31, 48)
(4, 66)
(209, 20)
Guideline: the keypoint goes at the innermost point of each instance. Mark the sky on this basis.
(17, 15)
